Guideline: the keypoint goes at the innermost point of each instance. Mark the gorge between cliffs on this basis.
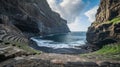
(33, 35)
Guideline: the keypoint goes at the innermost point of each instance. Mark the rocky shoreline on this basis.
(72, 51)
(21, 19)
(57, 60)
(12, 56)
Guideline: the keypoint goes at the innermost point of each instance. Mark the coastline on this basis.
(55, 60)
(59, 50)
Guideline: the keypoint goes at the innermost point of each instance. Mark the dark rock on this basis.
(21, 19)
(101, 31)
(33, 17)
(104, 64)
(89, 47)
(7, 43)
(108, 10)
(1, 41)
(81, 64)
(103, 34)
(117, 28)
(108, 64)
(10, 52)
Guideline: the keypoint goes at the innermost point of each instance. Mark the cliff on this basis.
(108, 10)
(106, 28)
(22, 19)
(33, 17)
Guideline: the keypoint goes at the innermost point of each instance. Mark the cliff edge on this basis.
(106, 28)
(22, 19)
(33, 17)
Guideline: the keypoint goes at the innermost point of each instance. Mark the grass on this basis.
(111, 51)
(23, 46)
(113, 21)
(29, 49)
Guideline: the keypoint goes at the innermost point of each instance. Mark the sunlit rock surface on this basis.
(106, 28)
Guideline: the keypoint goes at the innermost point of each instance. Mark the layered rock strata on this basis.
(106, 28)
(33, 17)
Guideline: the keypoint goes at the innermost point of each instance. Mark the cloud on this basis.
(68, 9)
(91, 13)
(77, 26)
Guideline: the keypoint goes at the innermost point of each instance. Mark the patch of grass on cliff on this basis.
(28, 48)
(23, 46)
(111, 51)
(115, 20)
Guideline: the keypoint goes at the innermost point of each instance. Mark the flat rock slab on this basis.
(56, 60)
(63, 57)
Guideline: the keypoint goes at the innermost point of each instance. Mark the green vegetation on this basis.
(28, 48)
(23, 46)
(111, 51)
(115, 20)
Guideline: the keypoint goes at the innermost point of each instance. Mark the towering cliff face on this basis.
(106, 28)
(33, 17)
(108, 10)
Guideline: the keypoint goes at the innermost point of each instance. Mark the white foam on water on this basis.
(55, 45)
(69, 41)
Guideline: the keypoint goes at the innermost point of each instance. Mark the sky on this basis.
(78, 13)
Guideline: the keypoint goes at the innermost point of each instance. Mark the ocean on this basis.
(67, 40)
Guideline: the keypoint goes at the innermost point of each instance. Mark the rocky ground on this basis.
(57, 60)
(21, 18)
(12, 56)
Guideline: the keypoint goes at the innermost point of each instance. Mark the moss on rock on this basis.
(110, 51)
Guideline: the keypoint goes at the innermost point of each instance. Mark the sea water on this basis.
(67, 40)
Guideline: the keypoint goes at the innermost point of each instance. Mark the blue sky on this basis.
(79, 13)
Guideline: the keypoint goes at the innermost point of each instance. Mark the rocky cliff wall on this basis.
(106, 28)
(108, 10)
(33, 17)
